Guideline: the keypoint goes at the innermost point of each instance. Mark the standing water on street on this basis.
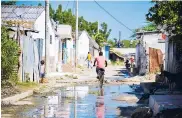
(92, 102)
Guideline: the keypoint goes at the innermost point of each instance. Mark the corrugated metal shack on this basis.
(173, 60)
(20, 20)
(149, 51)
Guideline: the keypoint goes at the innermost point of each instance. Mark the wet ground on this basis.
(92, 102)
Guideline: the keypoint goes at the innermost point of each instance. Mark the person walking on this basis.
(89, 60)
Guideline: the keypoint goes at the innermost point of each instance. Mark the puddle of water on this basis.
(91, 102)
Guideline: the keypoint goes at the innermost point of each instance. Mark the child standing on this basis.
(42, 71)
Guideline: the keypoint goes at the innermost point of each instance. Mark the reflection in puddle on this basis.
(92, 102)
(100, 108)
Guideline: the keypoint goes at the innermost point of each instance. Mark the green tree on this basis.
(99, 38)
(126, 43)
(9, 55)
(51, 11)
(58, 15)
(66, 17)
(111, 43)
(167, 14)
(83, 24)
(39, 4)
(104, 30)
(149, 27)
(13, 2)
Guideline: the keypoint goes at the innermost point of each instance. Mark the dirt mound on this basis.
(8, 90)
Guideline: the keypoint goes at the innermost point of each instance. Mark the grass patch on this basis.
(80, 67)
(59, 78)
(75, 77)
(94, 92)
(66, 75)
(71, 76)
(27, 85)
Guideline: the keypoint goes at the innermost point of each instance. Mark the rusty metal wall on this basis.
(155, 59)
(173, 60)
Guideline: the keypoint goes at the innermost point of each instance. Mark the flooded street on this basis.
(92, 102)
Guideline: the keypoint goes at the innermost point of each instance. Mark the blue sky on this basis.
(130, 13)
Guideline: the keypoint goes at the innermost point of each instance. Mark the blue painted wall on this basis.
(107, 48)
(64, 52)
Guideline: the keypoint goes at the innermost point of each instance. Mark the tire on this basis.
(101, 80)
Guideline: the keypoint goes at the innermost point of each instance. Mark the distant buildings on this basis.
(86, 44)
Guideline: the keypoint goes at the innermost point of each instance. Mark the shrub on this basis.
(9, 56)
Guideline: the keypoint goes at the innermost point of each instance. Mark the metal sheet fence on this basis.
(155, 60)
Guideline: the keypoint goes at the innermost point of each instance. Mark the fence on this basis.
(155, 59)
(173, 61)
(30, 59)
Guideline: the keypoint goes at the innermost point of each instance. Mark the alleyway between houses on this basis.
(58, 97)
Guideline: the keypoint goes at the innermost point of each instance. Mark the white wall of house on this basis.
(40, 26)
(151, 40)
(96, 53)
(52, 48)
(57, 52)
(70, 50)
(83, 47)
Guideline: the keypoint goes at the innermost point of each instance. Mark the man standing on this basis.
(89, 57)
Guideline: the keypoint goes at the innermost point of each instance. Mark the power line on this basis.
(113, 16)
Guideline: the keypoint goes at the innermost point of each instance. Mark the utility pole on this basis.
(119, 42)
(46, 37)
(76, 36)
(119, 35)
(76, 57)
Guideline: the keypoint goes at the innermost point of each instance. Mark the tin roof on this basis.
(26, 13)
(147, 32)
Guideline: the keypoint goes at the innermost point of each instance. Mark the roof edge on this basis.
(148, 32)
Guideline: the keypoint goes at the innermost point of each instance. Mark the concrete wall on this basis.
(141, 59)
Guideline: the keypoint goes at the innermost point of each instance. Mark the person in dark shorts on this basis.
(42, 70)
